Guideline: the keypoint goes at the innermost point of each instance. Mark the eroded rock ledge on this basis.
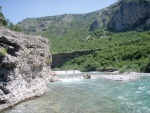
(24, 67)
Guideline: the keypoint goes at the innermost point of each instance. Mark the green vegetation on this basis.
(2, 18)
(129, 68)
(127, 51)
(13, 27)
(6, 23)
(3, 51)
(118, 50)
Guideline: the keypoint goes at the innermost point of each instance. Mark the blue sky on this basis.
(18, 10)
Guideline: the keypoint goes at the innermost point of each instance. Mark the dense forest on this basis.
(127, 51)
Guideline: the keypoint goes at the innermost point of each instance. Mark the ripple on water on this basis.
(76, 95)
(70, 80)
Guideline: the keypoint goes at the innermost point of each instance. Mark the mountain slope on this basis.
(61, 24)
(130, 15)
(99, 31)
(124, 15)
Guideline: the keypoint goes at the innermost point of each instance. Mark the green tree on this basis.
(0, 8)
(13, 27)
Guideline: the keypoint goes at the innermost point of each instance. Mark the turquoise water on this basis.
(76, 95)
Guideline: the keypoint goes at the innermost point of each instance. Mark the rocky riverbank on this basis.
(24, 67)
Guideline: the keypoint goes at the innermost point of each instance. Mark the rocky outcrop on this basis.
(60, 58)
(24, 67)
(130, 15)
(94, 25)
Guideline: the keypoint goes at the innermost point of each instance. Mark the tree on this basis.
(11, 26)
(7, 21)
(0, 8)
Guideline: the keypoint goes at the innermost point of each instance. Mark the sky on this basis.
(18, 10)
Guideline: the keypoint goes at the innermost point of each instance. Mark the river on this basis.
(76, 95)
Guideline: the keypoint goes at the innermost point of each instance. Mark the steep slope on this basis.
(57, 25)
(62, 24)
(124, 15)
(24, 67)
(97, 30)
(131, 15)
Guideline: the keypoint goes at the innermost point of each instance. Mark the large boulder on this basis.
(86, 76)
(24, 67)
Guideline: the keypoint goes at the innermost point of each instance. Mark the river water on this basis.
(76, 95)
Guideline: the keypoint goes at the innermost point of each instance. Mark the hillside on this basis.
(63, 30)
(124, 15)
(99, 30)
(2, 19)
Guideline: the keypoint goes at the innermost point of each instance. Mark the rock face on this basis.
(130, 15)
(60, 58)
(94, 25)
(24, 67)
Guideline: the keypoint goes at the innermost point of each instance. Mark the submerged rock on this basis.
(24, 67)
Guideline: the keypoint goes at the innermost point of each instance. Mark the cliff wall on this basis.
(59, 58)
(24, 67)
(130, 16)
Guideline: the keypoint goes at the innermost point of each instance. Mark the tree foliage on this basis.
(13, 27)
(118, 50)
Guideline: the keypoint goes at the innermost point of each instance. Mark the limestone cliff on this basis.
(24, 67)
(130, 15)
(124, 15)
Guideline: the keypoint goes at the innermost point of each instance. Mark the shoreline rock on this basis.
(86, 76)
(24, 67)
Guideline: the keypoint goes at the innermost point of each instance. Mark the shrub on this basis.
(129, 68)
(145, 67)
(3, 51)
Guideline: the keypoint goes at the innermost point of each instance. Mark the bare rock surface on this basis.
(24, 67)
(130, 15)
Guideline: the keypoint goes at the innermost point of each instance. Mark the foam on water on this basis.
(70, 80)
(76, 95)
